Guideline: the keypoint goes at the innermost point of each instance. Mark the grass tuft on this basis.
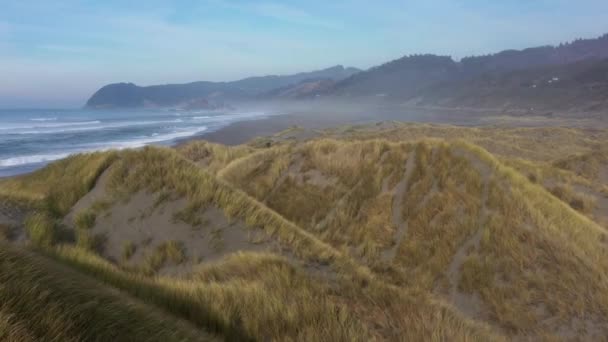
(85, 219)
(169, 251)
(42, 229)
(59, 185)
(42, 300)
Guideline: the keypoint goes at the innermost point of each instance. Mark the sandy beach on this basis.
(244, 131)
(317, 117)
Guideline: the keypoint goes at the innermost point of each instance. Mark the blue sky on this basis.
(56, 53)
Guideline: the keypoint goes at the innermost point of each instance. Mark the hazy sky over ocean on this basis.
(56, 53)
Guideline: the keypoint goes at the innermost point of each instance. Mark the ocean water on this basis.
(30, 139)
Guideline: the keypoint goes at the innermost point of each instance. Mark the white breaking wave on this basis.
(135, 143)
(49, 125)
(154, 138)
(61, 127)
(33, 159)
(43, 119)
(157, 130)
(54, 130)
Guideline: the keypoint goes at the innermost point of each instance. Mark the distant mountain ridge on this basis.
(306, 89)
(578, 87)
(407, 75)
(259, 85)
(510, 80)
(215, 93)
(398, 77)
(578, 50)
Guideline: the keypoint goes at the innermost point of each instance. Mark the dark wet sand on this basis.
(244, 131)
(317, 118)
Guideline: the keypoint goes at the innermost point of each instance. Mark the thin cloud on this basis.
(293, 15)
(288, 14)
(101, 42)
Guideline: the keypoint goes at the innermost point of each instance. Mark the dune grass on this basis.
(41, 300)
(153, 169)
(250, 296)
(442, 209)
(59, 185)
(42, 229)
(581, 202)
(267, 165)
(455, 194)
(213, 157)
(85, 219)
(157, 169)
(169, 251)
(536, 249)
(11, 330)
(533, 260)
(257, 297)
(356, 185)
(586, 165)
(319, 313)
(360, 262)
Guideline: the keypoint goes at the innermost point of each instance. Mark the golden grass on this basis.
(357, 186)
(266, 165)
(85, 219)
(545, 173)
(213, 157)
(155, 169)
(279, 303)
(169, 251)
(59, 185)
(252, 296)
(540, 258)
(459, 197)
(442, 209)
(586, 165)
(11, 330)
(286, 304)
(469, 224)
(308, 203)
(85, 239)
(42, 229)
(43, 301)
(581, 202)
(546, 210)
(535, 143)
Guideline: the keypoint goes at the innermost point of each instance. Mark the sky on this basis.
(55, 54)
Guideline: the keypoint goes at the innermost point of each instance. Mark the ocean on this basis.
(30, 139)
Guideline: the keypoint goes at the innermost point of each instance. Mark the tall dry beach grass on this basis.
(412, 232)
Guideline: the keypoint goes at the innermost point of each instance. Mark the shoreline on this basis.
(316, 118)
(321, 117)
(241, 132)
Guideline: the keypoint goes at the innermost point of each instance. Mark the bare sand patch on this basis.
(397, 209)
(144, 224)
